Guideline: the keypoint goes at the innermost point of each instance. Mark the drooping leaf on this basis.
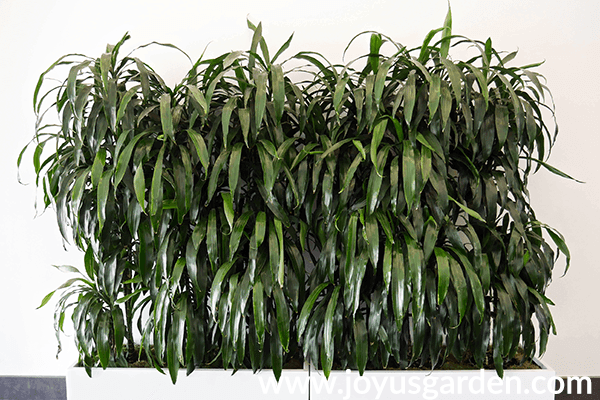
(443, 270)
(307, 308)
(166, 116)
(409, 173)
(156, 192)
(328, 343)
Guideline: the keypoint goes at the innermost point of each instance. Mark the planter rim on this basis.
(243, 370)
(309, 367)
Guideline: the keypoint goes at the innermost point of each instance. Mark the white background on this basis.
(33, 34)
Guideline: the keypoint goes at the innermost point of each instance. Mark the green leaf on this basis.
(176, 273)
(328, 326)
(394, 174)
(409, 173)
(282, 48)
(372, 231)
(228, 208)
(455, 78)
(487, 135)
(267, 166)
(156, 192)
(378, 133)
(217, 287)
(175, 338)
(119, 328)
(200, 146)
(434, 95)
(380, 78)
(307, 308)
(350, 243)
(276, 256)
(197, 95)
(139, 184)
(212, 239)
(125, 101)
(445, 104)
(72, 80)
(273, 204)
(283, 317)
(260, 79)
(276, 351)
(552, 169)
(399, 288)
(281, 264)
(338, 94)
(259, 311)
(376, 43)
(443, 270)
(417, 272)
(482, 83)
(410, 93)
(237, 233)
(102, 197)
(102, 339)
(124, 158)
(560, 242)
(469, 211)
(67, 269)
(446, 34)
(544, 304)
(166, 116)
(424, 54)
(130, 296)
(260, 227)
(517, 107)
(460, 285)
(98, 166)
(362, 344)
(387, 265)
(278, 91)
(226, 117)
(234, 167)
(430, 238)
(214, 174)
(373, 188)
(39, 149)
(426, 161)
(476, 288)
(46, 299)
(501, 114)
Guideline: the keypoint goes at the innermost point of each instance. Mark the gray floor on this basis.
(32, 388)
(54, 388)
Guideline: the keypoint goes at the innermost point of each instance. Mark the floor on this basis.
(54, 388)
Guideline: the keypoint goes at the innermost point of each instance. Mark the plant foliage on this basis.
(365, 218)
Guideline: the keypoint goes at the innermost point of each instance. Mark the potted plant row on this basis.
(367, 216)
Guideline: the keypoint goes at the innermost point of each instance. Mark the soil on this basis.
(451, 363)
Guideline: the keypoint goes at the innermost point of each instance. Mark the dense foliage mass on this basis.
(362, 218)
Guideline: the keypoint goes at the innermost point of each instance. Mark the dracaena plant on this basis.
(366, 217)
(183, 200)
(419, 209)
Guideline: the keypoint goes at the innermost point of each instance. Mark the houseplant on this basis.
(152, 180)
(368, 218)
(423, 219)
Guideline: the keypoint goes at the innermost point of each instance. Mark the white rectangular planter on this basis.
(534, 384)
(149, 384)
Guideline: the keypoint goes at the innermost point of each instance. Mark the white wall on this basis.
(34, 33)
